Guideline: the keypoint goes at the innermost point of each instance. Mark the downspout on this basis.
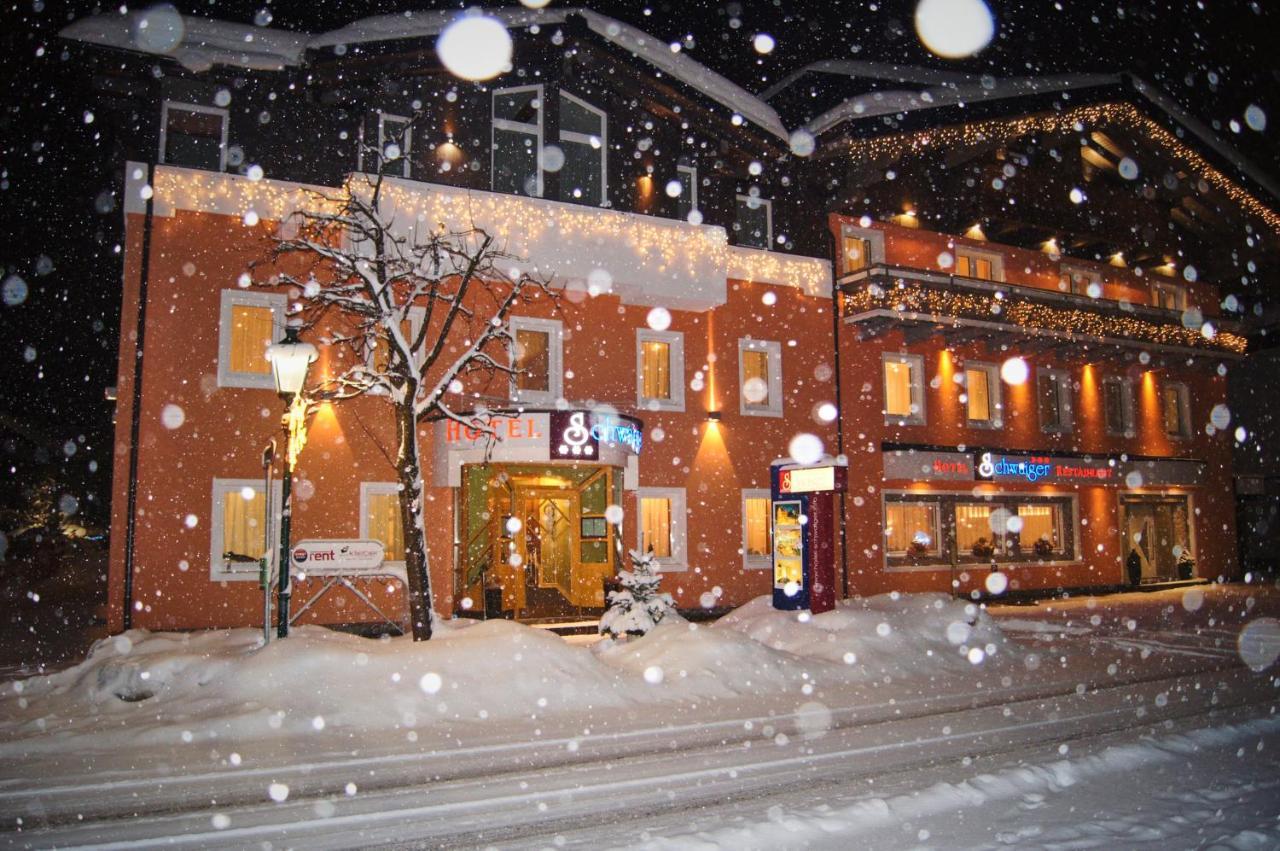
(835, 339)
(131, 522)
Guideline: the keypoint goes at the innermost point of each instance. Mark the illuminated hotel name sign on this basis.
(992, 466)
(572, 435)
(812, 480)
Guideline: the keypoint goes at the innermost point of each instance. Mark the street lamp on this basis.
(289, 360)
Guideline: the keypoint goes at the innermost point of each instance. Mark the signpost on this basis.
(341, 560)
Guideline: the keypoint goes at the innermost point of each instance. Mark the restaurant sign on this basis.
(993, 466)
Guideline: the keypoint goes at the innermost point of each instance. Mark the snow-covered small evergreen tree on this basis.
(639, 606)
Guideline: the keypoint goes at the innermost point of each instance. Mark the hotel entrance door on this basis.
(1155, 527)
(546, 543)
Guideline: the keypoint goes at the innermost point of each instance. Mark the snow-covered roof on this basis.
(200, 43)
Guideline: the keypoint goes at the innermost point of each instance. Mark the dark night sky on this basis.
(57, 348)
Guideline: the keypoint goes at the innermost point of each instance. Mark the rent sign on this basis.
(337, 557)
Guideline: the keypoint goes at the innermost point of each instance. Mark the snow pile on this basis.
(905, 635)
(141, 688)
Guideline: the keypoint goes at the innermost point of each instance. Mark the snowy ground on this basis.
(517, 735)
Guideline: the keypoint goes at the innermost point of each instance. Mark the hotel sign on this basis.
(928, 466)
(991, 466)
(812, 479)
(995, 467)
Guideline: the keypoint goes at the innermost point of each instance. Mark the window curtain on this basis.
(657, 369)
(757, 512)
(979, 392)
(655, 525)
(383, 524)
(243, 523)
(251, 332)
(897, 388)
(756, 365)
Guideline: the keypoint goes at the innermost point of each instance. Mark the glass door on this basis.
(1157, 532)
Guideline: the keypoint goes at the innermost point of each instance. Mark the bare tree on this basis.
(363, 285)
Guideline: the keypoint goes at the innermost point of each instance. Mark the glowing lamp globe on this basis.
(289, 360)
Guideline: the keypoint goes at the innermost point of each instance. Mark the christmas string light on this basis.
(909, 300)
(1076, 120)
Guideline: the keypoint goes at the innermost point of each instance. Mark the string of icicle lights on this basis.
(907, 299)
(1077, 120)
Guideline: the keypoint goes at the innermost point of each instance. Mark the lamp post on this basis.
(289, 361)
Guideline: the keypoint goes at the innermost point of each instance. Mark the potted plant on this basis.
(983, 548)
(1186, 565)
(1043, 547)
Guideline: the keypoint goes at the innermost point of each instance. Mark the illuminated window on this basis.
(982, 395)
(1038, 530)
(1053, 390)
(911, 530)
(1169, 296)
(1117, 405)
(974, 536)
(982, 265)
(760, 378)
(239, 528)
(250, 322)
(687, 200)
(757, 544)
(584, 141)
(537, 357)
(860, 248)
(380, 520)
(662, 526)
(1175, 409)
(193, 135)
(659, 370)
(517, 141)
(753, 226)
(903, 389)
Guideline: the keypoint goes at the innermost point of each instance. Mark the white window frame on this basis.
(679, 560)
(996, 258)
(368, 489)
(688, 175)
(278, 302)
(220, 571)
(916, 362)
(1184, 410)
(383, 139)
(675, 349)
(554, 330)
(585, 139)
(416, 316)
(1179, 294)
(874, 238)
(1091, 276)
(993, 394)
(1066, 410)
(1127, 413)
(749, 561)
(193, 107)
(496, 123)
(768, 220)
(773, 352)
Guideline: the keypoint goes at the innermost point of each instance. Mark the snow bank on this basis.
(903, 635)
(144, 688)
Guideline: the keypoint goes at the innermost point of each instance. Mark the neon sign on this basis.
(1034, 468)
(615, 430)
(581, 434)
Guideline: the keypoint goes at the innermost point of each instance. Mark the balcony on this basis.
(923, 303)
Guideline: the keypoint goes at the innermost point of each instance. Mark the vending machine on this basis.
(803, 519)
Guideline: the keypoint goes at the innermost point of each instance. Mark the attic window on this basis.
(193, 135)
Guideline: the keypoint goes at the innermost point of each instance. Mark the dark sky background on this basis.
(58, 343)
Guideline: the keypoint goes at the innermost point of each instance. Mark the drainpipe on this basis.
(131, 521)
(835, 339)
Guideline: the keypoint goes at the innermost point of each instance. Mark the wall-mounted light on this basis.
(975, 232)
(713, 416)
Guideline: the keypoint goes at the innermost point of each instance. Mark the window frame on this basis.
(555, 359)
(220, 571)
(940, 531)
(417, 314)
(1091, 276)
(675, 367)
(994, 397)
(576, 138)
(496, 123)
(1184, 410)
(773, 359)
(874, 239)
(688, 176)
(193, 107)
(1063, 391)
(995, 257)
(678, 562)
(278, 303)
(768, 220)
(752, 561)
(368, 489)
(1179, 295)
(405, 152)
(916, 374)
(1128, 414)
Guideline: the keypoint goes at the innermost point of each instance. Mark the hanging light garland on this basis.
(908, 300)
(1076, 120)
